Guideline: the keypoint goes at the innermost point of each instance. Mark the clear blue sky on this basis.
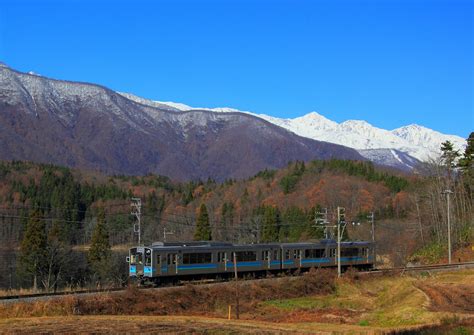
(389, 62)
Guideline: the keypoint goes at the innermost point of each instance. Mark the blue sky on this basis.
(389, 62)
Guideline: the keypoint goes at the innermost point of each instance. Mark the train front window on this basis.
(136, 257)
(148, 257)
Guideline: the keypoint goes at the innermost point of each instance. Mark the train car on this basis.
(171, 261)
(306, 255)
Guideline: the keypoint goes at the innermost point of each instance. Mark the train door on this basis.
(157, 263)
(136, 267)
(276, 259)
(133, 259)
(172, 261)
(332, 255)
(267, 258)
(148, 267)
(222, 260)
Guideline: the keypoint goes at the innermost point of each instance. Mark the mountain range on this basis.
(404, 147)
(90, 126)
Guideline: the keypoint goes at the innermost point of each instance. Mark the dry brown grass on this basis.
(313, 303)
(168, 325)
(190, 299)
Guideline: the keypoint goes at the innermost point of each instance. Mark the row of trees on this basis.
(45, 254)
(267, 224)
(453, 172)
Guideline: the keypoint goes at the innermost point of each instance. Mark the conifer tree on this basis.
(271, 223)
(466, 164)
(227, 217)
(57, 252)
(33, 247)
(449, 155)
(203, 228)
(99, 255)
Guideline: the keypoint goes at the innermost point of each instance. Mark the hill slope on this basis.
(415, 143)
(89, 126)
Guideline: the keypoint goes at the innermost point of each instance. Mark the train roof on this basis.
(209, 245)
(206, 245)
(191, 244)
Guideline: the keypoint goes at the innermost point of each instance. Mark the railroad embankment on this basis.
(317, 302)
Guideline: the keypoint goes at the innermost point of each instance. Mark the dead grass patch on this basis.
(190, 299)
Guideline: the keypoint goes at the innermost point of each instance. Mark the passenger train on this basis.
(164, 262)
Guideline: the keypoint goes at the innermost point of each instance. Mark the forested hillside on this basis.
(236, 208)
(64, 207)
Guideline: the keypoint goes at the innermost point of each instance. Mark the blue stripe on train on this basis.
(325, 260)
(316, 260)
(197, 266)
(239, 264)
(352, 259)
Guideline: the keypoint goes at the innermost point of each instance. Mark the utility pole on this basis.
(448, 193)
(321, 218)
(137, 211)
(237, 298)
(341, 221)
(371, 217)
(340, 225)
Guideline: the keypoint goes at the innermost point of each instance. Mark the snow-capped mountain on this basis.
(89, 126)
(404, 146)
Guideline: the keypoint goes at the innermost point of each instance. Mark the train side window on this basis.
(158, 259)
(197, 258)
(246, 256)
(332, 252)
(221, 257)
(171, 259)
(350, 252)
(275, 254)
(295, 254)
(287, 254)
(314, 253)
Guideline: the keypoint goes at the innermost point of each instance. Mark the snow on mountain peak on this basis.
(177, 105)
(428, 139)
(414, 140)
(356, 125)
(315, 117)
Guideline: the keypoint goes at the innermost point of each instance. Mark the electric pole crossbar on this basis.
(137, 211)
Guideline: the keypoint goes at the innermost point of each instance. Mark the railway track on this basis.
(435, 267)
(397, 270)
(35, 296)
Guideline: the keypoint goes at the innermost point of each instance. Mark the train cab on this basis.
(140, 261)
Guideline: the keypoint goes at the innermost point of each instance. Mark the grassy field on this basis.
(441, 303)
